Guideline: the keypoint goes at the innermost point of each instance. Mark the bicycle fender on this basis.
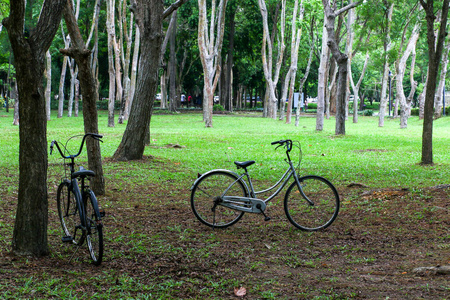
(94, 199)
(218, 170)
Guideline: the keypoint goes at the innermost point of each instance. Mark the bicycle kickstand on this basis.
(266, 217)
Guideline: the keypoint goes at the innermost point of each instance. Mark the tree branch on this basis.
(350, 6)
(173, 7)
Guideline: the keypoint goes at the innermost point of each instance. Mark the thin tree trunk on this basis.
(173, 96)
(322, 80)
(210, 47)
(134, 66)
(401, 68)
(48, 88)
(271, 75)
(110, 28)
(387, 49)
(89, 90)
(439, 95)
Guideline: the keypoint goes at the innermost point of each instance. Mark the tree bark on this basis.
(89, 89)
(173, 95)
(30, 228)
(341, 59)
(272, 75)
(440, 91)
(434, 53)
(401, 68)
(48, 87)
(210, 47)
(148, 15)
(387, 49)
(110, 28)
(322, 80)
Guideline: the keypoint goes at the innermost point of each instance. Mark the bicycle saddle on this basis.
(244, 164)
(83, 173)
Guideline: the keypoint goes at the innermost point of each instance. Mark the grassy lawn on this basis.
(395, 219)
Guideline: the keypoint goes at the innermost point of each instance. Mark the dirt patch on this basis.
(155, 246)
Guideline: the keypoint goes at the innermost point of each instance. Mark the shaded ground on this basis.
(156, 248)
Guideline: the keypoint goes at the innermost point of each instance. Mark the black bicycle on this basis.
(78, 210)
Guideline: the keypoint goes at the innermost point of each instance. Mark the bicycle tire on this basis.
(94, 228)
(68, 213)
(312, 217)
(209, 188)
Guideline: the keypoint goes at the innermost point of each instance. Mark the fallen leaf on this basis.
(240, 292)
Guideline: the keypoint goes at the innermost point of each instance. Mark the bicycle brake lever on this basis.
(278, 146)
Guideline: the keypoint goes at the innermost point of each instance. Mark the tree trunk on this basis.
(210, 47)
(271, 75)
(126, 63)
(30, 228)
(77, 96)
(434, 53)
(303, 80)
(440, 91)
(149, 18)
(48, 87)
(322, 80)
(387, 49)
(341, 59)
(134, 66)
(401, 68)
(173, 97)
(110, 28)
(61, 87)
(88, 86)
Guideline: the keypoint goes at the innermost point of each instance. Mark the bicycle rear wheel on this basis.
(321, 213)
(205, 199)
(94, 229)
(68, 213)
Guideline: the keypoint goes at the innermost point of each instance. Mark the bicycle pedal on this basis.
(67, 239)
(102, 213)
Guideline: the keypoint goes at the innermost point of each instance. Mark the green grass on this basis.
(155, 248)
(378, 157)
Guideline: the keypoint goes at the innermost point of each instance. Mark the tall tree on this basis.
(110, 27)
(210, 39)
(434, 53)
(48, 87)
(30, 228)
(441, 87)
(401, 68)
(331, 12)
(271, 72)
(386, 49)
(149, 17)
(89, 90)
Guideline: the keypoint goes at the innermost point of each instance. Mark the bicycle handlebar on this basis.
(93, 135)
(283, 142)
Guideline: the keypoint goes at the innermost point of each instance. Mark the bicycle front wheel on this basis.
(94, 229)
(321, 209)
(205, 199)
(68, 213)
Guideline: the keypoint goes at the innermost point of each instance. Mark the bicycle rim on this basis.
(208, 190)
(68, 213)
(94, 231)
(325, 201)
